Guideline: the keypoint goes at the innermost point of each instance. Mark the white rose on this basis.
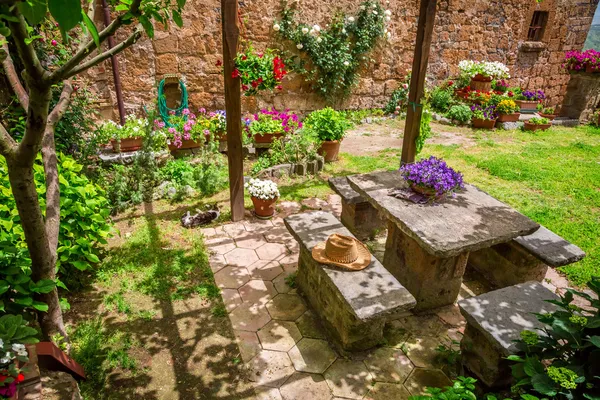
(387, 19)
(276, 27)
(316, 28)
(374, 5)
(350, 19)
(346, 63)
(388, 12)
(319, 40)
(344, 30)
(389, 35)
(305, 30)
(374, 12)
(299, 46)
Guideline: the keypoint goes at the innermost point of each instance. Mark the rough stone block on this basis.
(300, 169)
(352, 305)
(311, 167)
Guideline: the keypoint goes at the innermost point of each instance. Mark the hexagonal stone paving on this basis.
(270, 368)
(388, 391)
(309, 325)
(302, 386)
(249, 317)
(232, 277)
(265, 270)
(233, 229)
(248, 344)
(312, 355)
(267, 393)
(258, 225)
(257, 291)
(279, 335)
(279, 235)
(250, 241)
(287, 307)
(280, 283)
(217, 262)
(421, 378)
(231, 298)
(389, 365)
(220, 244)
(422, 351)
(271, 251)
(241, 257)
(349, 379)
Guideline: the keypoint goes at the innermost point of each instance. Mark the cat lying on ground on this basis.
(200, 218)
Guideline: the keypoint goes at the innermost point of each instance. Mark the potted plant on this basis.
(546, 112)
(126, 138)
(264, 195)
(432, 177)
(330, 126)
(528, 100)
(537, 124)
(508, 111)
(14, 334)
(482, 73)
(270, 124)
(258, 70)
(483, 117)
(579, 61)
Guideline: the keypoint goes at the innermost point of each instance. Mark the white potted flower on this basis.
(264, 195)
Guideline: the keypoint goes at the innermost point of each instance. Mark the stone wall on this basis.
(465, 29)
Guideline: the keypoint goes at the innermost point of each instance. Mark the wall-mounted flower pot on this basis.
(127, 145)
(536, 127)
(527, 106)
(263, 209)
(483, 123)
(514, 117)
(267, 137)
(186, 144)
(330, 149)
(590, 69)
(549, 116)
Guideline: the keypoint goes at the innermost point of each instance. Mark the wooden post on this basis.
(229, 15)
(417, 79)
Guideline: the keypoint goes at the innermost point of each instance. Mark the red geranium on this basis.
(244, 87)
(255, 84)
(235, 73)
(219, 63)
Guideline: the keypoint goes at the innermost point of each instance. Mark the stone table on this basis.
(428, 244)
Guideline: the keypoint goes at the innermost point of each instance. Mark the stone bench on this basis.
(524, 259)
(358, 215)
(352, 305)
(494, 321)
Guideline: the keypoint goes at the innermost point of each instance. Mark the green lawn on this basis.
(553, 177)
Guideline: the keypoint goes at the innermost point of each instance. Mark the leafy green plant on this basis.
(259, 70)
(263, 162)
(563, 360)
(13, 328)
(441, 98)
(424, 130)
(538, 121)
(460, 112)
(327, 124)
(336, 53)
(462, 389)
(399, 99)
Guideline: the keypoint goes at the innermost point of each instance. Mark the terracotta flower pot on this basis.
(481, 78)
(527, 105)
(330, 149)
(186, 144)
(264, 208)
(427, 192)
(549, 116)
(514, 117)
(481, 83)
(536, 127)
(127, 145)
(267, 137)
(483, 123)
(590, 69)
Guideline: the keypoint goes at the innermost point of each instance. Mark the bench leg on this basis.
(347, 332)
(484, 360)
(433, 281)
(507, 264)
(362, 219)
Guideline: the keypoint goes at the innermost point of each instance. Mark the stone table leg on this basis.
(362, 219)
(433, 281)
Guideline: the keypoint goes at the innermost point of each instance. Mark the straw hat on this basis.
(342, 251)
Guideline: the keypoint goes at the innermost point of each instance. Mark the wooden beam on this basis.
(417, 80)
(229, 16)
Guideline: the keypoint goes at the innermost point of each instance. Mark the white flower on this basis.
(362, 8)
(388, 12)
(344, 30)
(389, 35)
(265, 190)
(276, 27)
(385, 32)
(346, 63)
(387, 19)
(299, 46)
(18, 347)
(305, 30)
(374, 12)
(316, 28)
(387, 1)
(350, 19)
(136, 129)
(319, 40)
(374, 5)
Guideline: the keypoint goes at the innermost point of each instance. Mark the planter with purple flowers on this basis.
(432, 177)
(528, 100)
(483, 117)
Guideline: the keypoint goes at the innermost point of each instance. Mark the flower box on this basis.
(483, 123)
(536, 127)
(549, 116)
(127, 145)
(267, 137)
(514, 117)
(591, 69)
(186, 144)
(527, 105)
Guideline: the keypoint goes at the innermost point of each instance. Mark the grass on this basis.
(552, 177)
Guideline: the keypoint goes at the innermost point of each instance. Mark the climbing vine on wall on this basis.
(335, 53)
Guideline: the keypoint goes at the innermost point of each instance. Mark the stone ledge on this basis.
(532, 46)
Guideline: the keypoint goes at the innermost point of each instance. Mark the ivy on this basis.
(337, 53)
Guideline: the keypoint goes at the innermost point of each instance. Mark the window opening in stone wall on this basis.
(537, 26)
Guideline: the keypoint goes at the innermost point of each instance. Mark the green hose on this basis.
(165, 112)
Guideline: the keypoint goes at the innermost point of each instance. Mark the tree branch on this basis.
(7, 143)
(26, 52)
(13, 78)
(107, 54)
(62, 105)
(85, 50)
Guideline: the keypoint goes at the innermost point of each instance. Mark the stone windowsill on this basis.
(533, 46)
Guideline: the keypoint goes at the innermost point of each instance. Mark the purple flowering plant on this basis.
(271, 121)
(531, 95)
(433, 174)
(487, 113)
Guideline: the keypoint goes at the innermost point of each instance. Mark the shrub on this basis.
(301, 147)
(327, 124)
(539, 121)
(205, 176)
(83, 228)
(461, 113)
(564, 361)
(399, 98)
(441, 99)
(462, 389)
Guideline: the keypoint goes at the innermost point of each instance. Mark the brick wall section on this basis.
(494, 30)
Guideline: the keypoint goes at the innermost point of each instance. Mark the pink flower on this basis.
(202, 110)
(54, 42)
(172, 131)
